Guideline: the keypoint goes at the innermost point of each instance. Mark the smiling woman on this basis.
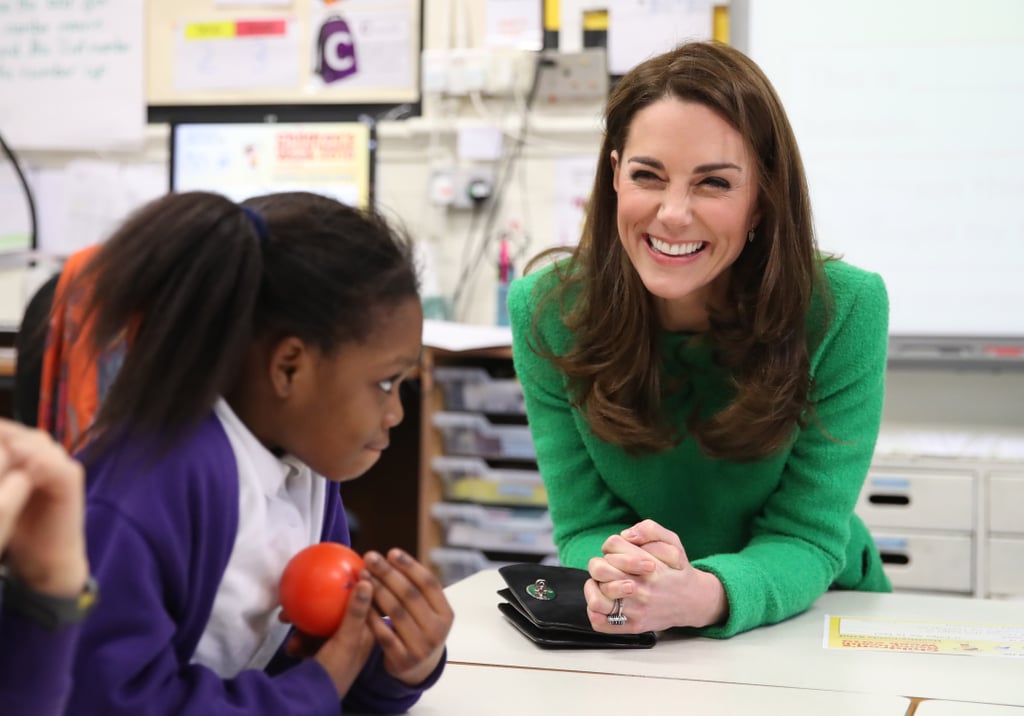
(704, 389)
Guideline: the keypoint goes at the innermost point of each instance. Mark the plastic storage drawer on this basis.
(473, 389)
(471, 479)
(496, 529)
(473, 434)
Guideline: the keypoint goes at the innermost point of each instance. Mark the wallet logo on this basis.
(540, 590)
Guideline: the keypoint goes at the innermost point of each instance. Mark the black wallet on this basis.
(546, 604)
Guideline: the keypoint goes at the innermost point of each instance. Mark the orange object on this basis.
(74, 378)
(316, 585)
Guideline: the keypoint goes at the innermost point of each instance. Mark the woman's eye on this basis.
(716, 182)
(387, 385)
(644, 175)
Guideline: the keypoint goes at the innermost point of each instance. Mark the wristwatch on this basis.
(50, 611)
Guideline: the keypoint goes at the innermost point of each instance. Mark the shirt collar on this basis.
(272, 470)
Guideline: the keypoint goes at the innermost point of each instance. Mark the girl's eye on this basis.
(387, 385)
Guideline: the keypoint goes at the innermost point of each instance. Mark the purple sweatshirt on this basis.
(160, 528)
(35, 666)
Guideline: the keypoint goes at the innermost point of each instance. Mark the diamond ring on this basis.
(616, 617)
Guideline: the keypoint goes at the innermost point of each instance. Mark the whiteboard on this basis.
(71, 74)
(910, 119)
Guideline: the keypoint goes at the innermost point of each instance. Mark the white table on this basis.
(789, 654)
(960, 708)
(472, 690)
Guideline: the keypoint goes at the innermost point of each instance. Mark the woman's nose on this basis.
(675, 208)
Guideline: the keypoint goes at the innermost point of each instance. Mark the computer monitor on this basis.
(241, 160)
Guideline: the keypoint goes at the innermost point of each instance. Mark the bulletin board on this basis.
(909, 118)
(229, 52)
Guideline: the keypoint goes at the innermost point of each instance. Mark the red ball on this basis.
(316, 585)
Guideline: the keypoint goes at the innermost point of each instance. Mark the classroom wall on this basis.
(409, 153)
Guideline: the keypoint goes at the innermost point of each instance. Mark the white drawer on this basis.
(1006, 567)
(921, 500)
(927, 561)
(1006, 503)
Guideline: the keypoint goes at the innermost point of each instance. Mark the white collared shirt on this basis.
(280, 511)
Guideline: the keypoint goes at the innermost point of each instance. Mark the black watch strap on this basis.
(50, 611)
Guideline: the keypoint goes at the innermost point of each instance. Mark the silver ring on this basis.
(617, 618)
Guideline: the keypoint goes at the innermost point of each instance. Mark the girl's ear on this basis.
(614, 159)
(287, 358)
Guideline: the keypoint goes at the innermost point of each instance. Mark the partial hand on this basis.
(344, 653)
(410, 595)
(647, 568)
(42, 511)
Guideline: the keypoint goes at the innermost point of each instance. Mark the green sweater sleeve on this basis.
(584, 512)
(800, 537)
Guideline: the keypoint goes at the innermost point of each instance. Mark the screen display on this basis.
(245, 160)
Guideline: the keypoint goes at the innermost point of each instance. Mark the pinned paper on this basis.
(237, 54)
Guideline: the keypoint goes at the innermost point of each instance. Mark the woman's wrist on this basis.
(712, 599)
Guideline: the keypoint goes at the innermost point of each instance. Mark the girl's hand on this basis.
(410, 595)
(345, 652)
(647, 568)
(42, 511)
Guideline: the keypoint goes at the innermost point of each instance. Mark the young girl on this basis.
(267, 345)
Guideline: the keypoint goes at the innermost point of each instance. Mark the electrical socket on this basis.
(461, 187)
(467, 70)
(573, 76)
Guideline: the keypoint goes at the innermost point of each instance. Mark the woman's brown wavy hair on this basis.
(758, 335)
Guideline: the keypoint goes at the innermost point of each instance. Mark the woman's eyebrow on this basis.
(700, 169)
(717, 167)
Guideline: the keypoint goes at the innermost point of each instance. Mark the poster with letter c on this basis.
(362, 43)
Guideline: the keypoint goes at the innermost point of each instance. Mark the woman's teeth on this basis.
(668, 249)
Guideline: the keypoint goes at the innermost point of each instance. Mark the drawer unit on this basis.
(1006, 503)
(472, 388)
(454, 564)
(932, 500)
(496, 529)
(470, 479)
(1006, 566)
(937, 562)
(473, 434)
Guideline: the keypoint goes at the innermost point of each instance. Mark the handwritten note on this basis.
(71, 74)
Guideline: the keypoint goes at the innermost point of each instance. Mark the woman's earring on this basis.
(750, 236)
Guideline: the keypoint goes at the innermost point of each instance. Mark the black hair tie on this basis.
(258, 223)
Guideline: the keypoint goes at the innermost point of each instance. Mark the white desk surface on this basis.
(789, 654)
(471, 690)
(960, 708)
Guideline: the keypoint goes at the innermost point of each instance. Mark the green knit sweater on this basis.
(777, 532)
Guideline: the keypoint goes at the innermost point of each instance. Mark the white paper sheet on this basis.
(237, 54)
(639, 29)
(452, 336)
(14, 214)
(573, 184)
(83, 202)
(513, 24)
(71, 74)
